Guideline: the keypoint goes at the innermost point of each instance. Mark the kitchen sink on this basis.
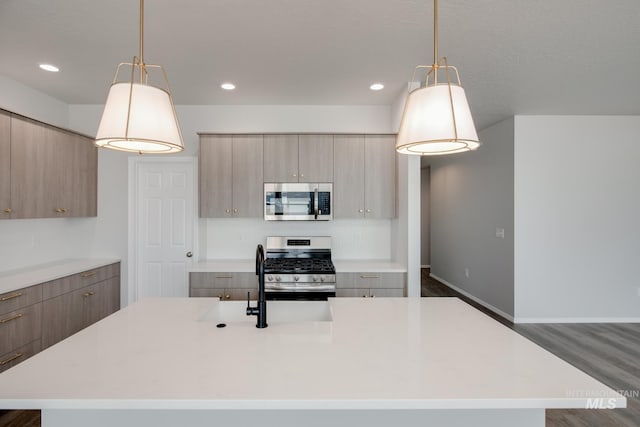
(277, 312)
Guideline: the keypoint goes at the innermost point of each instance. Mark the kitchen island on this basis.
(395, 361)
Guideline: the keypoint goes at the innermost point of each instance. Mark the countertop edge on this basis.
(342, 266)
(42, 273)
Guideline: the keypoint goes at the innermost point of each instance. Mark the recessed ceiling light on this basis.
(49, 67)
(228, 86)
(376, 86)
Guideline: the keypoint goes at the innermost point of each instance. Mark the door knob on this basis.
(189, 254)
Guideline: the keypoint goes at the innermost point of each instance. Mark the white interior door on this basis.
(164, 226)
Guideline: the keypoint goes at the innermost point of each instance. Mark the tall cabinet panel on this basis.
(281, 158)
(380, 176)
(5, 165)
(315, 155)
(83, 178)
(348, 179)
(216, 176)
(31, 159)
(247, 176)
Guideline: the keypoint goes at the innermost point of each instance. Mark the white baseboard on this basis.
(476, 299)
(426, 266)
(577, 320)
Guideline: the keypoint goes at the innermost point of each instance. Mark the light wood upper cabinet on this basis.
(32, 158)
(215, 170)
(380, 176)
(231, 183)
(54, 173)
(315, 158)
(281, 158)
(5, 165)
(298, 158)
(248, 176)
(364, 176)
(348, 179)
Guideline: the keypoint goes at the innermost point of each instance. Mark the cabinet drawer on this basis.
(222, 280)
(386, 293)
(76, 281)
(12, 301)
(370, 280)
(206, 292)
(18, 355)
(20, 327)
(352, 292)
(240, 294)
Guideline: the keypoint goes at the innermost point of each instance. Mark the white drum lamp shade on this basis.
(139, 118)
(437, 120)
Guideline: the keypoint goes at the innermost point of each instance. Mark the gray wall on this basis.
(577, 212)
(425, 217)
(472, 194)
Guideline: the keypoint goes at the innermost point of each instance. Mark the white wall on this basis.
(25, 242)
(577, 211)
(425, 217)
(472, 195)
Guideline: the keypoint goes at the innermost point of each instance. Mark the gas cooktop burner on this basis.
(299, 265)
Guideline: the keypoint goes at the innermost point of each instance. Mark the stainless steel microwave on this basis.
(298, 202)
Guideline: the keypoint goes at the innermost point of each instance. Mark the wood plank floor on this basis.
(607, 352)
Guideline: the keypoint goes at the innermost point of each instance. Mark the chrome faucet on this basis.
(261, 309)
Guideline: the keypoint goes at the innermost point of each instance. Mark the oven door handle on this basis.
(315, 202)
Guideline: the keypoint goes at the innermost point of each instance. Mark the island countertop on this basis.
(395, 353)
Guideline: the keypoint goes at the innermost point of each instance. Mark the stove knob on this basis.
(270, 278)
(296, 278)
(315, 278)
(278, 278)
(322, 278)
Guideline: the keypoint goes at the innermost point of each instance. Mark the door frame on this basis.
(135, 163)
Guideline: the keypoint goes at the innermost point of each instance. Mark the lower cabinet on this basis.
(81, 308)
(226, 286)
(370, 285)
(35, 318)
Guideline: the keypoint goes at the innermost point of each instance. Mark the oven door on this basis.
(297, 202)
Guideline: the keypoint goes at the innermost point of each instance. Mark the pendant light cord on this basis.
(435, 33)
(141, 59)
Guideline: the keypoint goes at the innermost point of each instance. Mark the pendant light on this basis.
(436, 118)
(138, 116)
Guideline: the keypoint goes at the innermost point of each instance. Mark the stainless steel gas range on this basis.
(299, 268)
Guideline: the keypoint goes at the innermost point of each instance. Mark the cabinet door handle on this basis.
(235, 210)
(368, 210)
(224, 276)
(9, 319)
(294, 175)
(227, 296)
(11, 359)
(88, 294)
(89, 274)
(301, 175)
(360, 210)
(369, 276)
(58, 210)
(12, 296)
(227, 210)
(8, 210)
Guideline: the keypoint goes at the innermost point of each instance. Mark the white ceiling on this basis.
(514, 56)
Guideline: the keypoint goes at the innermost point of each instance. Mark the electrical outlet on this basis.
(500, 233)
(466, 273)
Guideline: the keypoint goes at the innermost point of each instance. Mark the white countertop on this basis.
(342, 266)
(382, 353)
(33, 275)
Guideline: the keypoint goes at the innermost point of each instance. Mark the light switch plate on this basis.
(500, 233)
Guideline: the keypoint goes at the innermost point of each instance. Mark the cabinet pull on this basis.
(11, 359)
(360, 211)
(64, 210)
(88, 294)
(235, 210)
(8, 210)
(9, 319)
(369, 276)
(89, 274)
(227, 296)
(228, 210)
(224, 276)
(368, 210)
(12, 296)
(58, 210)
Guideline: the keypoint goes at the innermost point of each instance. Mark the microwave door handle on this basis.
(315, 205)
